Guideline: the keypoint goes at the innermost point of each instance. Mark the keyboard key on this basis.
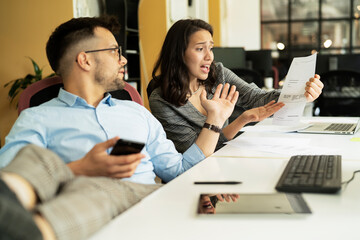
(311, 173)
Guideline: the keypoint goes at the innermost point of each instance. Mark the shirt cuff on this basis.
(194, 154)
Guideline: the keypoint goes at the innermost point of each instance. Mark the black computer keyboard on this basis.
(311, 173)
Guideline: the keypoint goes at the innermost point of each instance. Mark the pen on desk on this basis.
(219, 182)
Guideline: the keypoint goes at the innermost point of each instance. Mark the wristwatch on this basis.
(212, 127)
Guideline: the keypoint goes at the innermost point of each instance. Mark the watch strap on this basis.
(212, 127)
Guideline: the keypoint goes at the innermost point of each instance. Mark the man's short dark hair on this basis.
(73, 31)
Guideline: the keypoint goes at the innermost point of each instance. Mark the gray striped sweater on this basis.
(183, 124)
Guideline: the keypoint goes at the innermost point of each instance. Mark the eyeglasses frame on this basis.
(107, 49)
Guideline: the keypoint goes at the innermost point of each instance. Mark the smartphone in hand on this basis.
(126, 147)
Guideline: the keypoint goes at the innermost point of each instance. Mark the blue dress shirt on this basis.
(70, 127)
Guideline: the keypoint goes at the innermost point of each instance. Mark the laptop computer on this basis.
(331, 128)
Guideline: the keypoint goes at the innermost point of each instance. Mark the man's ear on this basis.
(84, 61)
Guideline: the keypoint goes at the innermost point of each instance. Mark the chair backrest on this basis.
(128, 93)
(39, 92)
(338, 79)
(150, 87)
(340, 95)
(249, 76)
(48, 88)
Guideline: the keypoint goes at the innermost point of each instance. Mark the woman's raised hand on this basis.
(221, 106)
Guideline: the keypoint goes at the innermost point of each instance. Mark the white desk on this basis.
(335, 144)
(170, 212)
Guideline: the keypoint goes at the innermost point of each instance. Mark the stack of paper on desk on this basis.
(279, 145)
(276, 128)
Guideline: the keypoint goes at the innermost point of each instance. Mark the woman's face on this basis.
(199, 55)
(205, 205)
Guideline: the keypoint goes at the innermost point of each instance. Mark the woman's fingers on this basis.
(269, 103)
(225, 91)
(235, 97)
(232, 91)
(217, 91)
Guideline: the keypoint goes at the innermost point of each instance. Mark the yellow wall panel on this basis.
(152, 32)
(25, 27)
(215, 20)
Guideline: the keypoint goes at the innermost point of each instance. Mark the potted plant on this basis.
(22, 83)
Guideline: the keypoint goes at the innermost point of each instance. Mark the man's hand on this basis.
(220, 107)
(97, 162)
(313, 88)
(260, 113)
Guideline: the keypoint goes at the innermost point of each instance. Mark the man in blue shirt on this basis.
(84, 116)
(79, 127)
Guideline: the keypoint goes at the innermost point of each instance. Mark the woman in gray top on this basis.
(188, 74)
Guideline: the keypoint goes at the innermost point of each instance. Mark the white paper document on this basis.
(285, 146)
(276, 128)
(292, 93)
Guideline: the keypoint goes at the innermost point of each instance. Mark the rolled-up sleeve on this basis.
(167, 162)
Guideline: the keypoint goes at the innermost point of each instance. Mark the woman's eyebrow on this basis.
(211, 42)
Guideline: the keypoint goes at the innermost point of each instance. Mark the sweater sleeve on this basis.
(178, 129)
(250, 95)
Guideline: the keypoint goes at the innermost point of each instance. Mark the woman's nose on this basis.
(209, 54)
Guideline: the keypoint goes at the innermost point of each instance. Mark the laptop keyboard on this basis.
(339, 127)
(311, 173)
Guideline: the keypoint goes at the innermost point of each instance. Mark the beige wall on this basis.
(24, 29)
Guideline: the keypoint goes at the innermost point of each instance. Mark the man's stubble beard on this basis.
(116, 84)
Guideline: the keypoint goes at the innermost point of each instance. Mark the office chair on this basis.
(128, 93)
(340, 95)
(150, 87)
(249, 76)
(48, 88)
(275, 71)
(39, 92)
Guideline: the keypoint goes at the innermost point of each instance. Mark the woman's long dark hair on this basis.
(173, 77)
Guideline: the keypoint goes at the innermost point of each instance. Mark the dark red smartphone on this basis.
(126, 147)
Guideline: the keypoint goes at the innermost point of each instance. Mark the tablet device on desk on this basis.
(240, 203)
(331, 128)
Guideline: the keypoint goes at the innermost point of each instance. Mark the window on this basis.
(296, 27)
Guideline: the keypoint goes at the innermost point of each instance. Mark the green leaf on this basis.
(37, 70)
(51, 75)
(29, 76)
(22, 83)
(14, 90)
(7, 84)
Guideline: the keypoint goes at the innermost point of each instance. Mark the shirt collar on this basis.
(72, 99)
(108, 99)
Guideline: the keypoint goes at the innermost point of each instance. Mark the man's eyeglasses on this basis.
(117, 49)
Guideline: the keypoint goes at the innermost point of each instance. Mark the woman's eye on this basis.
(199, 49)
